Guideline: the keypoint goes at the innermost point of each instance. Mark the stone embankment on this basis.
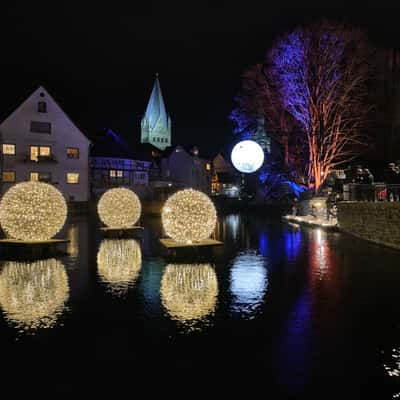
(378, 222)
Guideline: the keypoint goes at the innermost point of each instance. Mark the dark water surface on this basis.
(295, 312)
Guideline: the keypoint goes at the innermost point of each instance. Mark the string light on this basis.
(32, 211)
(189, 216)
(33, 294)
(119, 208)
(118, 263)
(189, 291)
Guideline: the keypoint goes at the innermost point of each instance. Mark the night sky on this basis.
(99, 61)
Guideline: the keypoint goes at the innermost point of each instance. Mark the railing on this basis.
(371, 192)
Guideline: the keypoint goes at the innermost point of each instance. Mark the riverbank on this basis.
(309, 220)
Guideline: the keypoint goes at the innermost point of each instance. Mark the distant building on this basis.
(225, 179)
(114, 164)
(179, 168)
(156, 123)
(40, 142)
(261, 137)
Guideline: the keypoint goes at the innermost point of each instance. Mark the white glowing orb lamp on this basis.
(247, 156)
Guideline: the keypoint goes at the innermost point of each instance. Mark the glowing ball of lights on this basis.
(247, 156)
(33, 294)
(119, 208)
(32, 211)
(118, 263)
(189, 291)
(189, 216)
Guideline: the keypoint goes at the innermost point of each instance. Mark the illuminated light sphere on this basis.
(247, 156)
(189, 216)
(33, 294)
(118, 263)
(119, 208)
(189, 292)
(32, 211)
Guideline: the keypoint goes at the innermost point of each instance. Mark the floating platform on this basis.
(185, 252)
(27, 249)
(308, 220)
(172, 244)
(121, 232)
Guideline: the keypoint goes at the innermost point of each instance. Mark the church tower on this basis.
(156, 123)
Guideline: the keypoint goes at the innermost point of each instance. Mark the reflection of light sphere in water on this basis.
(119, 208)
(33, 294)
(119, 262)
(247, 156)
(248, 282)
(189, 216)
(32, 211)
(189, 291)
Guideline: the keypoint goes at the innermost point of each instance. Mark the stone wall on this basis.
(378, 222)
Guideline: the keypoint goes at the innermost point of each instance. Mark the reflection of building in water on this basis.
(33, 294)
(189, 291)
(73, 240)
(119, 262)
(248, 282)
(228, 228)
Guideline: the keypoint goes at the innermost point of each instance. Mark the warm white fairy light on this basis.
(32, 211)
(119, 262)
(189, 216)
(33, 294)
(189, 291)
(119, 208)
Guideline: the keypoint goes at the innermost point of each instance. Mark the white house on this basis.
(40, 142)
(181, 168)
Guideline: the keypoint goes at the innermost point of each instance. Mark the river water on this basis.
(293, 311)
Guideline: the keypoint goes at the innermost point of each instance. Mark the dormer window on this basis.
(42, 107)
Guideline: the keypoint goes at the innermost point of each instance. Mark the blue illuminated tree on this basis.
(321, 73)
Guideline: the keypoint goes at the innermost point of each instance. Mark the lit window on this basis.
(72, 177)
(208, 167)
(44, 151)
(9, 149)
(40, 127)
(8, 176)
(40, 151)
(120, 174)
(72, 152)
(40, 176)
(42, 107)
(113, 173)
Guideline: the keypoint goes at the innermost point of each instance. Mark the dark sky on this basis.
(99, 61)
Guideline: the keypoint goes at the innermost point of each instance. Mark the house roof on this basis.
(8, 110)
(108, 143)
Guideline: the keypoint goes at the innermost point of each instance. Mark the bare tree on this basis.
(259, 97)
(321, 73)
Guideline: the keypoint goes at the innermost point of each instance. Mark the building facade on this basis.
(40, 142)
(179, 168)
(114, 164)
(226, 181)
(156, 123)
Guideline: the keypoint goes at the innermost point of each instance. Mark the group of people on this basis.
(363, 175)
(392, 173)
